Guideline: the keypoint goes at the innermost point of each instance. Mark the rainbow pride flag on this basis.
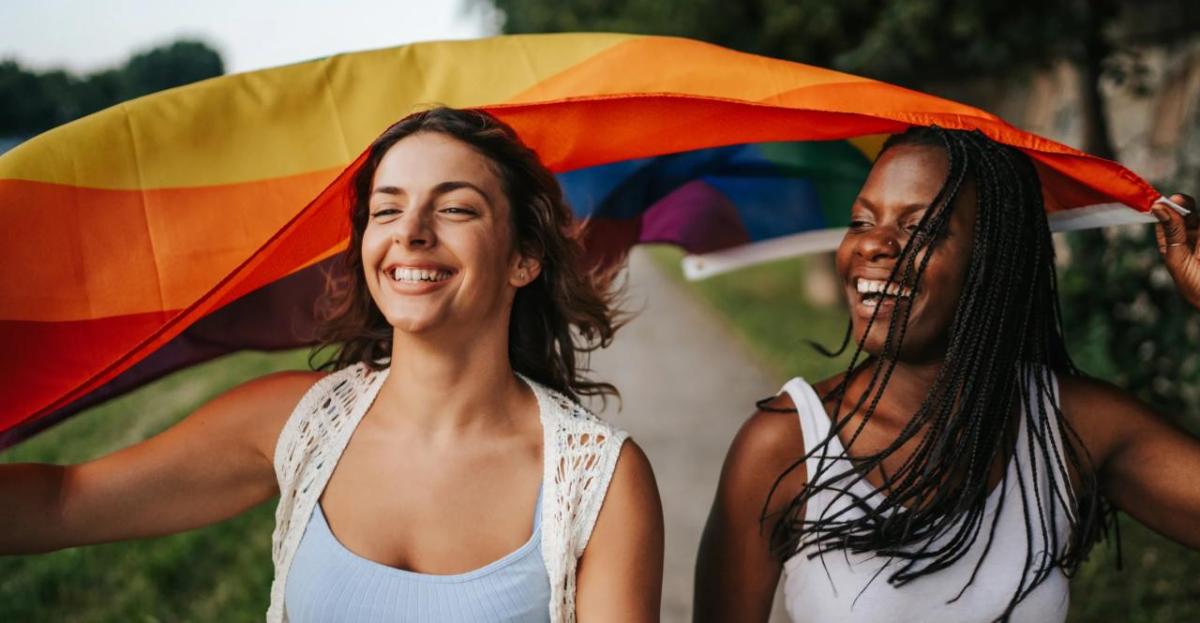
(186, 224)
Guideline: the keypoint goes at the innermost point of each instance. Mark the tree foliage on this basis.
(908, 41)
(1115, 311)
(32, 102)
(1124, 320)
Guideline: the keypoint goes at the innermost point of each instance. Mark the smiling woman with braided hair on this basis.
(961, 468)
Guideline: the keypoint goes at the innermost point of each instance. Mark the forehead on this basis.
(906, 175)
(426, 159)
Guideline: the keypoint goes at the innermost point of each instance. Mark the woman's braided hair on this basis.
(1004, 345)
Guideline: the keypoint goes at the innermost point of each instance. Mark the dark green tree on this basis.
(1123, 318)
(919, 43)
(33, 102)
(908, 42)
(176, 64)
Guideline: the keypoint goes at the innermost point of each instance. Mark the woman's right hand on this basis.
(1179, 245)
(216, 463)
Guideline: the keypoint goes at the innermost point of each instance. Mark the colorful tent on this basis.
(182, 225)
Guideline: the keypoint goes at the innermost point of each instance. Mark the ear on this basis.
(524, 270)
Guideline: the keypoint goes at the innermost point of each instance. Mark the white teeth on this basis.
(872, 286)
(418, 274)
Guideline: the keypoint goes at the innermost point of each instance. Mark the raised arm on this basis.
(735, 572)
(620, 573)
(214, 464)
(1148, 467)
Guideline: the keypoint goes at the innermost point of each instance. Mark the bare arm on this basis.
(620, 573)
(1147, 466)
(736, 575)
(212, 465)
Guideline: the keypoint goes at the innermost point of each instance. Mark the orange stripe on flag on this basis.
(86, 253)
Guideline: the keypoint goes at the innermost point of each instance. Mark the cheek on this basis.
(375, 243)
(485, 248)
(375, 240)
(943, 283)
(841, 258)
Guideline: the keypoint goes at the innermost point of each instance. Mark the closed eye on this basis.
(384, 212)
(459, 211)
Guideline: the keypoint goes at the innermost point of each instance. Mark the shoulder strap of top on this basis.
(579, 457)
(308, 449)
(814, 422)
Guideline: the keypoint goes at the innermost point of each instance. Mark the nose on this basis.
(881, 243)
(413, 230)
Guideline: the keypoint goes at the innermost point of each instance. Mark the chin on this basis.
(413, 323)
(875, 343)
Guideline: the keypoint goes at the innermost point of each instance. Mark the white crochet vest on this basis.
(579, 454)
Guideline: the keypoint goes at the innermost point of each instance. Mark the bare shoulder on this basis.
(633, 487)
(620, 572)
(767, 449)
(272, 395)
(1080, 393)
(771, 435)
(1090, 403)
(1105, 417)
(630, 515)
(259, 408)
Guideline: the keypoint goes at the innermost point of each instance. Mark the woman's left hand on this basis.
(1177, 243)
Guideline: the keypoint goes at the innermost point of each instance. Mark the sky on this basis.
(83, 36)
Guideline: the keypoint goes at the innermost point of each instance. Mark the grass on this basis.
(220, 573)
(766, 306)
(223, 573)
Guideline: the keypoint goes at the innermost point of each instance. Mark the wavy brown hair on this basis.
(565, 313)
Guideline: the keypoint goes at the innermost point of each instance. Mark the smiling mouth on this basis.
(417, 275)
(872, 292)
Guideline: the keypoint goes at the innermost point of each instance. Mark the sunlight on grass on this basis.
(765, 305)
(219, 573)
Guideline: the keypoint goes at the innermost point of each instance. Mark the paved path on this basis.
(687, 384)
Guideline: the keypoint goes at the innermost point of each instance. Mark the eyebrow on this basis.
(440, 189)
(905, 210)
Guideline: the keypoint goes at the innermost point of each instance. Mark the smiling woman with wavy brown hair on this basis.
(443, 470)
(567, 311)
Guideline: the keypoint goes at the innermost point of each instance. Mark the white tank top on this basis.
(843, 587)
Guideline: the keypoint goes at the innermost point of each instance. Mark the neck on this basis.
(438, 383)
(907, 387)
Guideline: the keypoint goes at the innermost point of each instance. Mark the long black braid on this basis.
(1005, 343)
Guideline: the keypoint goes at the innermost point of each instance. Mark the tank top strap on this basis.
(537, 509)
(814, 422)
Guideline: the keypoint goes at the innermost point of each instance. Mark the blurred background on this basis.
(1119, 79)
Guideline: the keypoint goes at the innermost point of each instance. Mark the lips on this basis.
(419, 276)
(872, 292)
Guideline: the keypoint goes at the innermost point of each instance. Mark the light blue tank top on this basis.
(331, 584)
